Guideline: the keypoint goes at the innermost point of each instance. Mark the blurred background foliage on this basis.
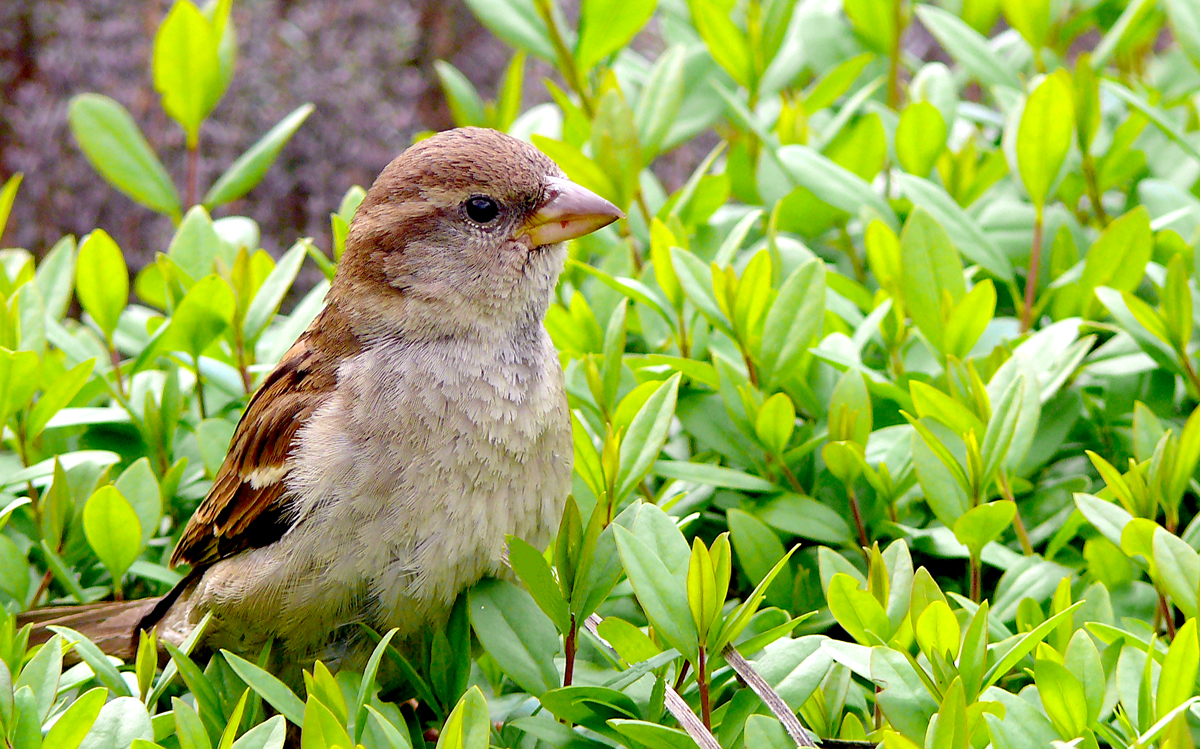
(884, 395)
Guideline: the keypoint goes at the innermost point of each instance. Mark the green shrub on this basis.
(893, 397)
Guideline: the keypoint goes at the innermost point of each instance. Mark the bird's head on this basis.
(464, 229)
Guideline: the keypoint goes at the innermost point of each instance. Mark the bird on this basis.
(418, 422)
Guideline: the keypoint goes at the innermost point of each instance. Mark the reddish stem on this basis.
(569, 649)
(193, 176)
(702, 681)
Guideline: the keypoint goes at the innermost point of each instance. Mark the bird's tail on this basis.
(111, 625)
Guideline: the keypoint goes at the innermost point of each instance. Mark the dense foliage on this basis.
(884, 419)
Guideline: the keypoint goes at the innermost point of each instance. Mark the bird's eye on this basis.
(482, 209)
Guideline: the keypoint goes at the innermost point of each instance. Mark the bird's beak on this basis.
(569, 211)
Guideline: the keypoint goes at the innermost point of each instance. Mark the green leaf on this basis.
(323, 728)
(615, 146)
(834, 184)
(106, 673)
(653, 734)
(199, 318)
(662, 594)
(119, 723)
(829, 87)
(725, 41)
(534, 571)
(711, 475)
(1118, 258)
(1025, 645)
(942, 479)
(1032, 19)
(1003, 425)
(70, 728)
(875, 22)
(468, 725)
(117, 149)
(508, 99)
(102, 280)
(272, 292)
(776, 422)
(642, 443)
(1044, 134)
(516, 22)
(272, 733)
(1185, 22)
(19, 373)
(466, 106)
(41, 674)
(933, 403)
(901, 694)
(55, 278)
(1062, 697)
(969, 48)
(208, 702)
(139, 486)
(969, 318)
(695, 278)
(57, 396)
(188, 726)
(516, 633)
(113, 531)
(981, 525)
(659, 103)
(249, 169)
(367, 685)
(920, 138)
(274, 691)
(628, 288)
(793, 321)
(606, 26)
(7, 195)
(759, 550)
(931, 270)
(966, 233)
(1178, 569)
(187, 71)
(196, 245)
(857, 610)
(1156, 115)
(937, 631)
(1176, 682)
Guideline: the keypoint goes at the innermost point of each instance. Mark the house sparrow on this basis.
(418, 421)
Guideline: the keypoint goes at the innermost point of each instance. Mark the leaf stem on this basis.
(751, 371)
(976, 578)
(863, 540)
(116, 365)
(242, 362)
(1035, 261)
(1093, 188)
(193, 175)
(702, 681)
(1167, 614)
(199, 389)
(1018, 523)
(566, 61)
(1193, 381)
(569, 651)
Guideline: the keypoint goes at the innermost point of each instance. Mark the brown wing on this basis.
(245, 508)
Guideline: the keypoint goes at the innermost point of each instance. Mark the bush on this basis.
(893, 397)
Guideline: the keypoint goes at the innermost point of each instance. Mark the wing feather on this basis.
(247, 505)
